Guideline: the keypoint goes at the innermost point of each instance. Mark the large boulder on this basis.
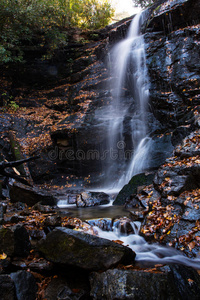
(174, 282)
(130, 284)
(30, 195)
(69, 247)
(131, 187)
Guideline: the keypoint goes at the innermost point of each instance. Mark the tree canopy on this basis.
(143, 3)
(22, 22)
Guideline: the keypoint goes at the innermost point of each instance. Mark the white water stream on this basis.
(145, 252)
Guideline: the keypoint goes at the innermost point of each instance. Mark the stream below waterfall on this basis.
(147, 254)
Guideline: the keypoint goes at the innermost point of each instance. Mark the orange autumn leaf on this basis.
(191, 245)
(118, 242)
(3, 256)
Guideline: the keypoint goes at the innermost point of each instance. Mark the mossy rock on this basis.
(131, 188)
(78, 249)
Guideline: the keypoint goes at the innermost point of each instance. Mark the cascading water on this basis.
(128, 123)
(145, 252)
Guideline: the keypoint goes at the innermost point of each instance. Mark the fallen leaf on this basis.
(190, 280)
(3, 256)
(191, 245)
(118, 242)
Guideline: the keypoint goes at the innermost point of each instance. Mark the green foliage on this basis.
(24, 23)
(144, 4)
(8, 102)
(13, 105)
(95, 14)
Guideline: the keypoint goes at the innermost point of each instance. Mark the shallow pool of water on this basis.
(86, 213)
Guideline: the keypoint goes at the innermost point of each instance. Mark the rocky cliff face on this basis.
(61, 99)
(172, 37)
(171, 32)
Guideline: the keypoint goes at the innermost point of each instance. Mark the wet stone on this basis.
(103, 223)
(87, 199)
(15, 219)
(130, 284)
(59, 289)
(124, 225)
(25, 285)
(53, 221)
(43, 208)
(7, 288)
(71, 199)
(40, 265)
(68, 247)
(14, 240)
(191, 215)
(1, 214)
(30, 195)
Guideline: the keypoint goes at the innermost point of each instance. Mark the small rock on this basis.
(14, 240)
(53, 221)
(66, 293)
(25, 285)
(7, 242)
(43, 208)
(103, 223)
(37, 234)
(71, 199)
(5, 265)
(22, 244)
(7, 288)
(1, 214)
(4, 207)
(58, 288)
(87, 199)
(40, 265)
(15, 219)
(20, 264)
(124, 225)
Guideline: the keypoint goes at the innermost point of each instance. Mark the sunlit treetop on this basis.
(48, 21)
(144, 4)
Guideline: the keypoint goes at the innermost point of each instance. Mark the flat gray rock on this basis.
(66, 246)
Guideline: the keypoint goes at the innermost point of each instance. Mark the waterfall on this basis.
(128, 129)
